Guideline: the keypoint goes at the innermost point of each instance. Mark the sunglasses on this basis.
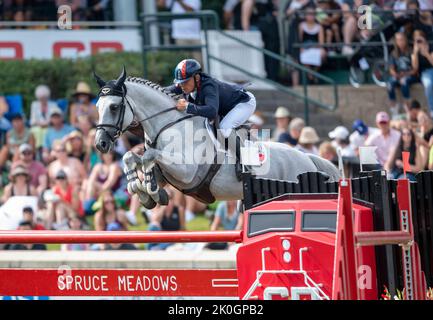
(27, 153)
(109, 201)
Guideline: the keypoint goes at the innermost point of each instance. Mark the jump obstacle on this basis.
(328, 244)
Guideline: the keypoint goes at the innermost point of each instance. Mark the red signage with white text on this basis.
(98, 282)
(48, 44)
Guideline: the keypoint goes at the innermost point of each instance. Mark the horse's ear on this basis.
(122, 78)
(99, 80)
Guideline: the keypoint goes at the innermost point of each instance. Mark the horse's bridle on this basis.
(110, 91)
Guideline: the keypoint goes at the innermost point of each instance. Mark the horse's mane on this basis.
(150, 84)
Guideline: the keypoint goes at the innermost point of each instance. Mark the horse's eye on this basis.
(113, 107)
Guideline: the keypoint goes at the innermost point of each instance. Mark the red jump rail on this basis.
(9, 237)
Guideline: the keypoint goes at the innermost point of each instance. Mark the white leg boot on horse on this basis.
(132, 163)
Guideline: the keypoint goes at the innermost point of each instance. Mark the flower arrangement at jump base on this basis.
(401, 295)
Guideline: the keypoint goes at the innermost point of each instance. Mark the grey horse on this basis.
(172, 140)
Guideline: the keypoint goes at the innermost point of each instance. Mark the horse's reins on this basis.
(107, 90)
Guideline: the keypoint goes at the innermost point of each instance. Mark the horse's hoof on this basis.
(163, 197)
(146, 201)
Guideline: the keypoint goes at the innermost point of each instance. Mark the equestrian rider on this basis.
(211, 98)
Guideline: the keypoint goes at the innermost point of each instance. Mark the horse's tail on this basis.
(325, 166)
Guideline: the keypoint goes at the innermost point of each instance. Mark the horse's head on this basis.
(115, 114)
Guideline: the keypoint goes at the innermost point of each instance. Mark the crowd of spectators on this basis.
(411, 131)
(46, 10)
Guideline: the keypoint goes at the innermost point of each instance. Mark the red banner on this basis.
(125, 282)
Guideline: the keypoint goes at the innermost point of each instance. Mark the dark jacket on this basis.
(213, 98)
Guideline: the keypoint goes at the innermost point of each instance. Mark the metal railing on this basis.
(210, 21)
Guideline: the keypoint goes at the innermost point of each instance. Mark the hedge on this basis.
(62, 75)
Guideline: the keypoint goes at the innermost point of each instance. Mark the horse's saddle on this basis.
(202, 192)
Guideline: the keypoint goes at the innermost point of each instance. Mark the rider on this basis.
(211, 98)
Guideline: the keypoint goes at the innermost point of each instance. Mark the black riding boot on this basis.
(237, 153)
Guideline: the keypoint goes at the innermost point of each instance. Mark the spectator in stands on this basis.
(350, 27)
(330, 21)
(227, 216)
(399, 8)
(167, 218)
(386, 139)
(232, 15)
(308, 140)
(261, 15)
(27, 226)
(282, 121)
(18, 135)
(295, 5)
(401, 72)
(19, 10)
(351, 18)
(327, 151)
(109, 213)
(5, 124)
(426, 129)
(92, 155)
(105, 176)
(292, 7)
(97, 10)
(82, 104)
(312, 35)
(84, 124)
(417, 19)
(41, 107)
(78, 8)
(57, 130)
(37, 171)
(75, 145)
(295, 129)
(412, 111)
(115, 226)
(20, 184)
(422, 61)
(39, 114)
(75, 224)
(360, 134)
(72, 167)
(29, 216)
(417, 161)
(340, 139)
(185, 32)
(64, 201)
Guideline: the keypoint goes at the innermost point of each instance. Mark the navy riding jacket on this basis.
(213, 97)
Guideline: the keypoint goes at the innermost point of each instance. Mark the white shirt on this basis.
(346, 151)
(357, 140)
(399, 5)
(36, 116)
(385, 145)
(425, 4)
(185, 29)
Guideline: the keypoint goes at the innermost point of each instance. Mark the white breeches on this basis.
(238, 115)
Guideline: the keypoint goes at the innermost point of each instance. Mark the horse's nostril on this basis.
(103, 144)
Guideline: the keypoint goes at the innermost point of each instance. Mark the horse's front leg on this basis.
(133, 163)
